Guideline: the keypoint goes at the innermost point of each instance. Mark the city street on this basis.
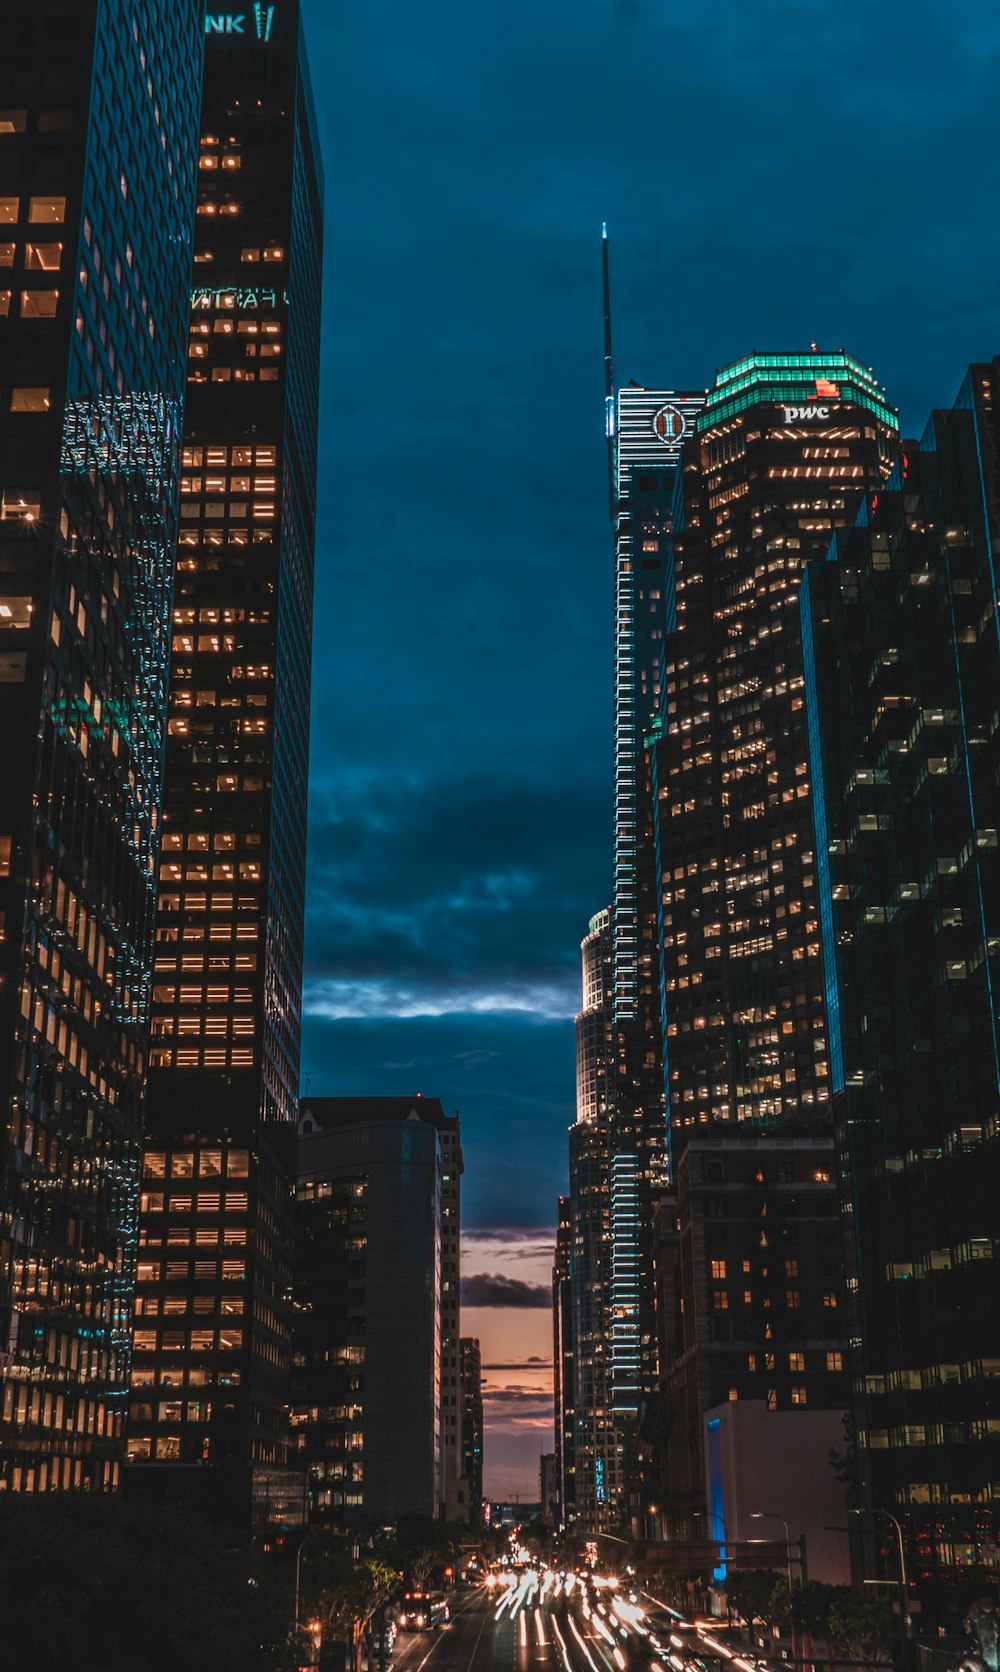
(536, 1625)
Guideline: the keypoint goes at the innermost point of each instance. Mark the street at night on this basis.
(544, 1621)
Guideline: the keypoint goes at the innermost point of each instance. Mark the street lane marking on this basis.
(439, 1640)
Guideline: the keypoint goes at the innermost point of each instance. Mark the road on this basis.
(537, 1625)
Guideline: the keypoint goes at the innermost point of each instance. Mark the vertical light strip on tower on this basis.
(649, 429)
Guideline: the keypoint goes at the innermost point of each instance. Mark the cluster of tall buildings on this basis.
(782, 1218)
(194, 1272)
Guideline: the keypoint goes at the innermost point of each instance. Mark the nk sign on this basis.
(254, 24)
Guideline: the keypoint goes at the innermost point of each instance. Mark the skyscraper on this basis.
(902, 673)
(650, 427)
(471, 1361)
(596, 1447)
(98, 157)
(212, 1324)
(784, 449)
(564, 1414)
(376, 1335)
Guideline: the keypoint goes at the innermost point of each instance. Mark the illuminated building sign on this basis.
(651, 426)
(240, 298)
(796, 414)
(669, 424)
(257, 22)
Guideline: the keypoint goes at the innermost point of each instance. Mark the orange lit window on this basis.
(39, 304)
(42, 258)
(29, 400)
(50, 210)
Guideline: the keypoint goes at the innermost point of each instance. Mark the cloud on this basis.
(508, 1243)
(515, 1396)
(349, 999)
(522, 1364)
(493, 1289)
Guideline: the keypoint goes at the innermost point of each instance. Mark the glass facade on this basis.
(370, 1397)
(564, 1410)
(750, 1282)
(98, 163)
(786, 446)
(650, 429)
(472, 1427)
(903, 670)
(224, 1058)
(764, 487)
(597, 1450)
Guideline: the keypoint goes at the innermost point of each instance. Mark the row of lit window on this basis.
(230, 1201)
(192, 1057)
(238, 374)
(793, 1299)
(184, 1164)
(250, 253)
(223, 1339)
(171, 1306)
(248, 870)
(200, 1238)
(42, 210)
(194, 963)
(218, 1025)
(38, 258)
(245, 927)
(719, 1267)
(34, 304)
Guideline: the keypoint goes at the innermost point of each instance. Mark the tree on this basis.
(862, 1627)
(420, 1564)
(344, 1596)
(750, 1593)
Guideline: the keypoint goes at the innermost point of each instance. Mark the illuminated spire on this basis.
(609, 376)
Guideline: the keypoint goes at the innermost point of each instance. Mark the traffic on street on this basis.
(535, 1619)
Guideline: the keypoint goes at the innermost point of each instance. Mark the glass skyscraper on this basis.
(650, 427)
(786, 446)
(377, 1373)
(212, 1308)
(902, 666)
(98, 164)
(784, 450)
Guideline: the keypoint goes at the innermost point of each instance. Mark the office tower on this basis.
(471, 1362)
(548, 1491)
(596, 1447)
(649, 429)
(98, 158)
(453, 1488)
(212, 1326)
(750, 1308)
(369, 1273)
(902, 674)
(594, 1055)
(784, 449)
(564, 1411)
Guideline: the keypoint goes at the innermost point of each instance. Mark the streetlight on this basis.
(904, 1583)
(768, 1515)
(298, 1568)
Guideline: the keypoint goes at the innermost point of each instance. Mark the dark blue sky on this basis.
(771, 173)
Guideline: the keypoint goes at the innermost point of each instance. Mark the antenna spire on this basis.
(609, 377)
